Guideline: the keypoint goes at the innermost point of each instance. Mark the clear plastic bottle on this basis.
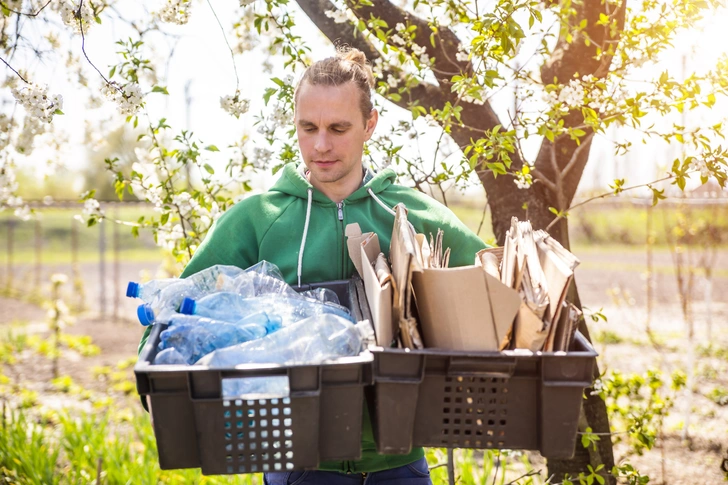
(167, 301)
(309, 341)
(232, 307)
(193, 337)
(147, 291)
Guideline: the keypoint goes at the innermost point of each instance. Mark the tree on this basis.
(571, 63)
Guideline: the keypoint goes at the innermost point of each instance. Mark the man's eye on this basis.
(338, 131)
(309, 130)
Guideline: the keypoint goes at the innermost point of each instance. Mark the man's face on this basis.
(331, 135)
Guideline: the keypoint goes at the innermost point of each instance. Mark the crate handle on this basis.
(258, 387)
(498, 367)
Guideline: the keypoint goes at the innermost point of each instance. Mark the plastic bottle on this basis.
(324, 295)
(231, 307)
(309, 341)
(194, 337)
(167, 301)
(147, 291)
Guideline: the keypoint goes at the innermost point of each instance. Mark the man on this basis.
(299, 225)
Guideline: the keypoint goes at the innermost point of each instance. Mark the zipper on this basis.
(340, 208)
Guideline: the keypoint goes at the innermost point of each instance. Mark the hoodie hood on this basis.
(293, 182)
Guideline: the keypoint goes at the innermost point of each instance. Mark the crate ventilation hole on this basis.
(474, 412)
(258, 435)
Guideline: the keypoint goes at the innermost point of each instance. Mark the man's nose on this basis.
(323, 142)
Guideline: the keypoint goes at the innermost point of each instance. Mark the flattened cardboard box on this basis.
(363, 251)
(464, 308)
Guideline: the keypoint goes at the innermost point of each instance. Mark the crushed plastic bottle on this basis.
(169, 356)
(324, 295)
(147, 291)
(231, 307)
(195, 339)
(309, 341)
(167, 301)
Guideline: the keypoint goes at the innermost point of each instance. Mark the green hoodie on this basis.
(294, 217)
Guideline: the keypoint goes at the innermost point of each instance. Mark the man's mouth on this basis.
(324, 163)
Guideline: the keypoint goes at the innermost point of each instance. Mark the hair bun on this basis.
(352, 55)
(355, 56)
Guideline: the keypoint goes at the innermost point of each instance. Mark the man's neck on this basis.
(338, 191)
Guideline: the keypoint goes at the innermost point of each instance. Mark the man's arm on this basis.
(231, 240)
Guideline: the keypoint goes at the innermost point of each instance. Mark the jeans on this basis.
(415, 473)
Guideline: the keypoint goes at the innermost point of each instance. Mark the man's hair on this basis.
(349, 65)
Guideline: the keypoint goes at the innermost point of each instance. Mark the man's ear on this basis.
(371, 124)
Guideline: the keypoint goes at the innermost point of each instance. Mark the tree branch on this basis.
(27, 14)
(16, 72)
(336, 33)
(585, 143)
(544, 180)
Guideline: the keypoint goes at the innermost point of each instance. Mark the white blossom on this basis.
(129, 97)
(167, 236)
(235, 105)
(32, 127)
(244, 3)
(23, 213)
(339, 16)
(261, 157)
(523, 180)
(398, 40)
(378, 67)
(572, 95)
(418, 50)
(185, 202)
(6, 124)
(425, 58)
(702, 166)
(392, 81)
(246, 36)
(91, 207)
(69, 10)
(400, 27)
(37, 102)
(175, 12)
(8, 186)
(462, 56)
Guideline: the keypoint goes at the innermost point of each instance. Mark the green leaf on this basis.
(164, 218)
(58, 112)
(212, 148)
(209, 169)
(112, 71)
(160, 89)
(268, 93)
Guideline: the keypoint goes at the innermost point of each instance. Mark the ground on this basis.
(612, 281)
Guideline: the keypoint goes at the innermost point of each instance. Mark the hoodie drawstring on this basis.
(378, 201)
(305, 233)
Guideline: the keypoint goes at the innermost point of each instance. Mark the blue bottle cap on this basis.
(132, 291)
(188, 306)
(145, 314)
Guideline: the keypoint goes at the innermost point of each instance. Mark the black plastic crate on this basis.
(195, 426)
(485, 400)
